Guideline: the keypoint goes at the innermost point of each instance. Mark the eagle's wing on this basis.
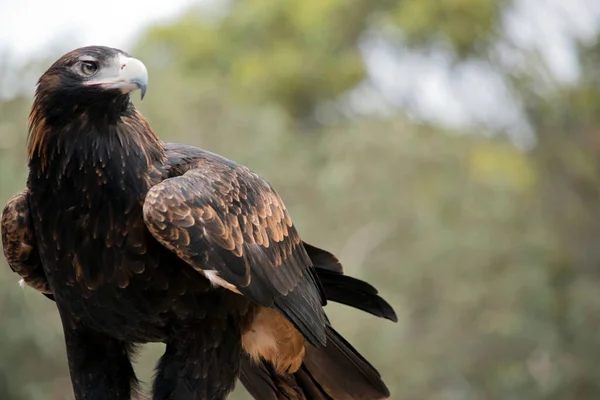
(18, 242)
(229, 224)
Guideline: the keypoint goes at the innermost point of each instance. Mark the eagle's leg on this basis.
(99, 365)
(199, 364)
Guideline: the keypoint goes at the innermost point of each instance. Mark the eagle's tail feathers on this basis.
(334, 372)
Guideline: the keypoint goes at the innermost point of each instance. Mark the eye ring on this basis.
(88, 68)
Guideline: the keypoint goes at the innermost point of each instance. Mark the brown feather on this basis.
(273, 338)
(18, 242)
(238, 233)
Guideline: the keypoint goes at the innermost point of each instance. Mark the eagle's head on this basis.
(84, 95)
(91, 74)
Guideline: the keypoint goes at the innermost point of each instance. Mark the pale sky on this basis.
(28, 27)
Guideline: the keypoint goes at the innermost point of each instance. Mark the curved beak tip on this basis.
(142, 84)
(134, 71)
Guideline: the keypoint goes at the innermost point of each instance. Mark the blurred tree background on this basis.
(475, 212)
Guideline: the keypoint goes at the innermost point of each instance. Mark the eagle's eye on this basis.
(88, 68)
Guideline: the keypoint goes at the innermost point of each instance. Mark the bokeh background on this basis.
(448, 151)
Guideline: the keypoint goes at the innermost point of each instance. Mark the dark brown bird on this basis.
(138, 240)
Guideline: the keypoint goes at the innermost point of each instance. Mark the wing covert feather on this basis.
(228, 223)
(19, 245)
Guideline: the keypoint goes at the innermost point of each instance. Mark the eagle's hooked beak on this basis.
(134, 71)
(132, 75)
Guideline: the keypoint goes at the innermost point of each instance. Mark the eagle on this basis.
(138, 240)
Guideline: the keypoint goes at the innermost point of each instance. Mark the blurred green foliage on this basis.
(489, 253)
(288, 52)
(297, 54)
(466, 26)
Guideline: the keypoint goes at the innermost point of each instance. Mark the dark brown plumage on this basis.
(18, 242)
(138, 240)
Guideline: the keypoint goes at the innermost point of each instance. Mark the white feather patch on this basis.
(22, 283)
(214, 278)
